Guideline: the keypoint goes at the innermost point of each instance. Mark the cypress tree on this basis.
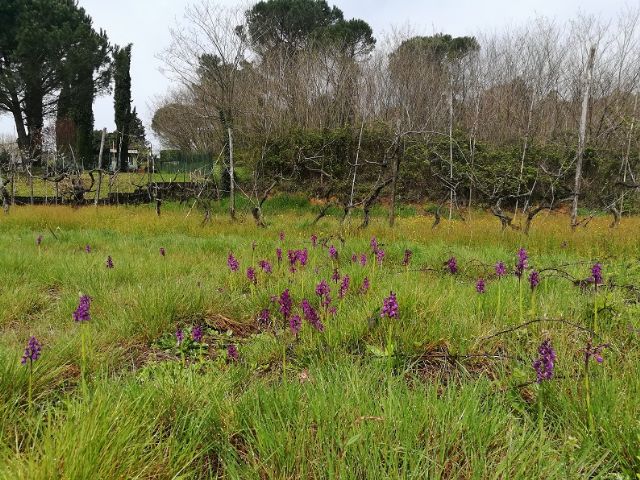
(122, 101)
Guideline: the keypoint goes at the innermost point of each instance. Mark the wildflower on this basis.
(264, 317)
(452, 265)
(279, 255)
(295, 322)
(480, 285)
(87, 248)
(179, 336)
(380, 256)
(364, 288)
(39, 240)
(285, 304)
(544, 364)
(390, 306)
(311, 315)
(323, 291)
(596, 274)
(109, 263)
(332, 311)
(265, 266)
(522, 262)
(314, 240)
(303, 256)
(594, 352)
(363, 260)
(163, 252)
(501, 269)
(232, 353)
(354, 258)
(344, 286)
(534, 279)
(407, 258)
(281, 235)
(196, 333)
(335, 276)
(251, 275)
(374, 244)
(293, 258)
(333, 253)
(31, 351)
(81, 313)
(232, 263)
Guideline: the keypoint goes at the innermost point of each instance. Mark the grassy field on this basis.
(444, 389)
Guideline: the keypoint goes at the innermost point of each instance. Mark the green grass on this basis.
(426, 395)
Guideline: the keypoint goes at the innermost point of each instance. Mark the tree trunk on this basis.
(450, 144)
(582, 136)
(232, 195)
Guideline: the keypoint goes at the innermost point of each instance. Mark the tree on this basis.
(122, 102)
(39, 42)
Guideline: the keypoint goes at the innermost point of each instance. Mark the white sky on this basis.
(145, 23)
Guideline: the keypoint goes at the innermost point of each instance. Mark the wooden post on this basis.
(97, 199)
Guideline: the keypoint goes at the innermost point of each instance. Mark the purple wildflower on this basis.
(363, 260)
(332, 311)
(344, 286)
(232, 353)
(163, 252)
(335, 276)
(380, 256)
(285, 304)
(31, 351)
(452, 265)
(311, 315)
(354, 258)
(251, 275)
(390, 306)
(522, 262)
(279, 255)
(87, 248)
(596, 274)
(501, 269)
(295, 322)
(544, 364)
(374, 244)
(303, 256)
(366, 284)
(333, 253)
(232, 263)
(264, 317)
(179, 336)
(281, 236)
(109, 263)
(82, 314)
(407, 258)
(265, 266)
(534, 279)
(323, 291)
(480, 285)
(594, 352)
(196, 333)
(314, 240)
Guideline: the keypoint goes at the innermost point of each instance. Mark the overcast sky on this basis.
(145, 23)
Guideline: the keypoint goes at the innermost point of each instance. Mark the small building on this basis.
(132, 158)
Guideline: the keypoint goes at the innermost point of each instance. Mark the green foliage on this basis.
(293, 25)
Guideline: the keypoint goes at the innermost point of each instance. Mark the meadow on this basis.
(203, 352)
